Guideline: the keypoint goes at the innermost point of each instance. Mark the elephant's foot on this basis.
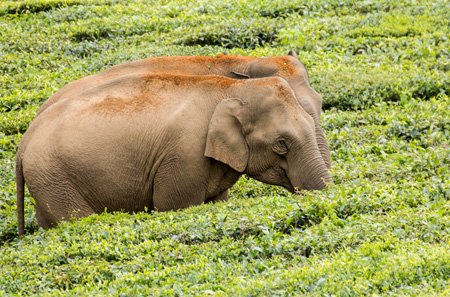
(223, 196)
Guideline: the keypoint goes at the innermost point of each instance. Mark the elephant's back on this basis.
(156, 94)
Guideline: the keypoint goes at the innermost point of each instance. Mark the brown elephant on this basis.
(287, 67)
(164, 142)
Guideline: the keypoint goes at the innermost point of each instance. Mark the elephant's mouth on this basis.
(274, 176)
(286, 182)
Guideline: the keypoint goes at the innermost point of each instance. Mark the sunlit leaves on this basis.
(382, 229)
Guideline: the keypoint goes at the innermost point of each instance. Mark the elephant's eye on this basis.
(281, 147)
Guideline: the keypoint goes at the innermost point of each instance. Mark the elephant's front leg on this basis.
(177, 185)
(223, 196)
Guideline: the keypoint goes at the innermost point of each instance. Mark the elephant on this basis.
(164, 142)
(287, 67)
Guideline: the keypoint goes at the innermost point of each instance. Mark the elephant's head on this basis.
(264, 133)
(294, 72)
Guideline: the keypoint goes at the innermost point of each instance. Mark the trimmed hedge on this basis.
(383, 228)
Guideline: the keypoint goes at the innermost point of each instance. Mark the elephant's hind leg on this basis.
(45, 218)
(60, 203)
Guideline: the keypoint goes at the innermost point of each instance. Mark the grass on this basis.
(383, 228)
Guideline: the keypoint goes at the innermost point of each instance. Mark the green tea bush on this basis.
(382, 228)
(241, 34)
(15, 7)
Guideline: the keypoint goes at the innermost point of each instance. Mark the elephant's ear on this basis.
(238, 75)
(225, 141)
(293, 53)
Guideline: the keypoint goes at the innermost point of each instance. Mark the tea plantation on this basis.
(382, 229)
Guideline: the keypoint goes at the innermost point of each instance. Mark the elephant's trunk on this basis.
(311, 102)
(311, 172)
(322, 142)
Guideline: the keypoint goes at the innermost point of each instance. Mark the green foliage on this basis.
(383, 228)
(16, 7)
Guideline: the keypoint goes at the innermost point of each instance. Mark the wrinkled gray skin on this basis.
(287, 67)
(164, 142)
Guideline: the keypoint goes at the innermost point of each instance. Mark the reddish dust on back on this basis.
(148, 87)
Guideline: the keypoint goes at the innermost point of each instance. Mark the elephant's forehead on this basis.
(231, 58)
(285, 94)
(284, 65)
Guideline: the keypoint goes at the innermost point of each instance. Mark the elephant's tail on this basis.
(20, 189)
